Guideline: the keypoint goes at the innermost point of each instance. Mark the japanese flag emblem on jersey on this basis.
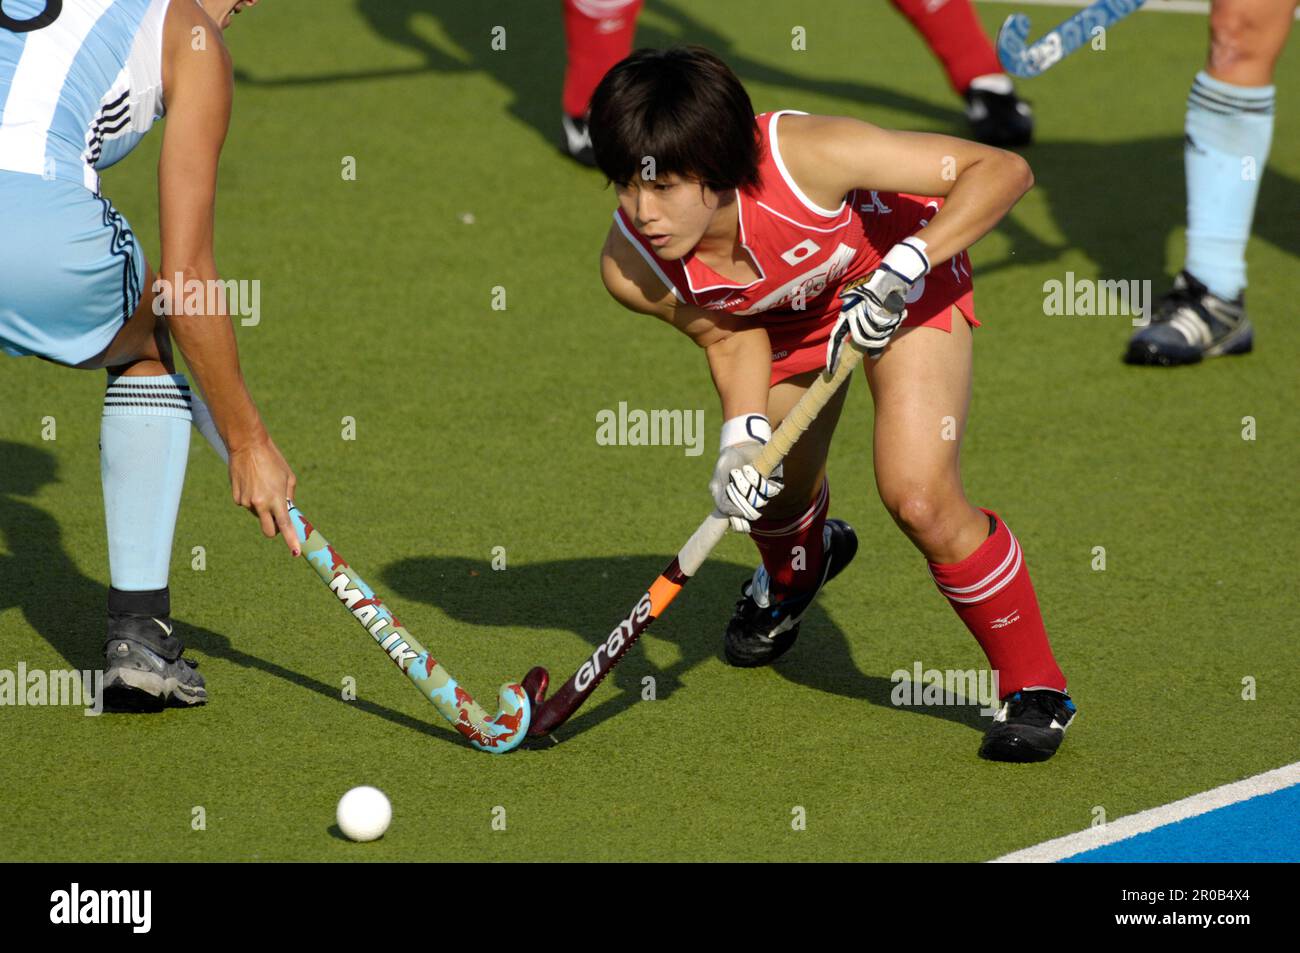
(810, 284)
(801, 251)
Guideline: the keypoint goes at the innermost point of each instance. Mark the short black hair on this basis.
(684, 108)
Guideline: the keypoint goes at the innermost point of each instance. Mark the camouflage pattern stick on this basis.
(497, 734)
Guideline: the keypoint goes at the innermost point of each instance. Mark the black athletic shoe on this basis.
(144, 670)
(1189, 324)
(759, 632)
(577, 140)
(999, 119)
(1029, 726)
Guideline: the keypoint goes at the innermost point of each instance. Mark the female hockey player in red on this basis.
(740, 230)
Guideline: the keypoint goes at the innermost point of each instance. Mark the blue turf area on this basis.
(1265, 828)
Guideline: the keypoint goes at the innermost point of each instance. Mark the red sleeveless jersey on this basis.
(804, 254)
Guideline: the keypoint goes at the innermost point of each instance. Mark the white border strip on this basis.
(1154, 6)
(775, 148)
(1134, 824)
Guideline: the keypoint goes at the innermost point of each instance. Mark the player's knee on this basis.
(925, 514)
(152, 359)
(917, 511)
(1235, 35)
(141, 367)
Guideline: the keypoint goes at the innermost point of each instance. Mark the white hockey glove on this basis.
(738, 490)
(873, 309)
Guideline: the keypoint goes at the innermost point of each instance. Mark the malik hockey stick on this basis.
(1020, 59)
(550, 713)
(499, 733)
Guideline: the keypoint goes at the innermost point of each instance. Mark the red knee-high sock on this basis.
(955, 35)
(597, 34)
(991, 591)
(793, 570)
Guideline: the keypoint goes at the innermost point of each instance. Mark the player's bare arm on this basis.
(830, 156)
(739, 355)
(198, 78)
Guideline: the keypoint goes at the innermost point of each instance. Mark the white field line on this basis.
(1154, 6)
(1134, 824)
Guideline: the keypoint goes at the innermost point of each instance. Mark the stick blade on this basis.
(1012, 44)
(535, 684)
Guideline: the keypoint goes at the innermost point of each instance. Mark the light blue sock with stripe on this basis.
(144, 442)
(1228, 133)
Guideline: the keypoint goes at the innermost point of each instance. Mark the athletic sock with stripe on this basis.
(792, 547)
(144, 442)
(991, 591)
(1228, 133)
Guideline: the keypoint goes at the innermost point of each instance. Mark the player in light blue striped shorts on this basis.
(81, 82)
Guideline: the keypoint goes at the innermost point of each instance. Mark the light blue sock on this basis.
(144, 442)
(1229, 130)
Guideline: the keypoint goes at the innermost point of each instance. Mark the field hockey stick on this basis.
(550, 713)
(499, 733)
(1023, 59)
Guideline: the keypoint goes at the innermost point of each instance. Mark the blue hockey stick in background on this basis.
(1020, 59)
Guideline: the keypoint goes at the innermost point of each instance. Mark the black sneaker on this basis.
(144, 670)
(999, 119)
(1189, 324)
(1029, 726)
(760, 633)
(577, 140)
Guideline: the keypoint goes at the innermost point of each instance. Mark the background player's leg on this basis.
(800, 549)
(921, 387)
(144, 446)
(597, 34)
(955, 36)
(1246, 39)
(1229, 130)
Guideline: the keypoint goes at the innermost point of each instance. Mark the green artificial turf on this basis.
(475, 429)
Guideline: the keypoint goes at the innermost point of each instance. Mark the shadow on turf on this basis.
(1097, 192)
(586, 597)
(68, 609)
(336, 832)
(1119, 203)
(534, 74)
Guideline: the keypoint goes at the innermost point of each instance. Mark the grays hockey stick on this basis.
(1024, 59)
(549, 713)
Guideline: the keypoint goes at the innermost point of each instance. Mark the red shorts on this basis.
(800, 346)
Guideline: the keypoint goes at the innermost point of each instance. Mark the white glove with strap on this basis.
(738, 490)
(873, 308)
